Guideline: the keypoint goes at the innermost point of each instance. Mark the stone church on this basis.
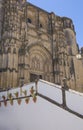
(36, 44)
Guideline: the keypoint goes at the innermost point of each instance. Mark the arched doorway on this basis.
(40, 62)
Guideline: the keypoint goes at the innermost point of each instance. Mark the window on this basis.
(40, 25)
(14, 50)
(9, 50)
(29, 20)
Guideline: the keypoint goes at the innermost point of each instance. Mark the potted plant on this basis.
(5, 103)
(4, 100)
(3, 97)
(11, 101)
(16, 94)
(34, 98)
(19, 101)
(9, 96)
(25, 92)
(27, 100)
(32, 90)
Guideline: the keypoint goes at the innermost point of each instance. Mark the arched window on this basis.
(40, 25)
(14, 50)
(29, 20)
(9, 50)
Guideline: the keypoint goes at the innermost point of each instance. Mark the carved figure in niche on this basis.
(35, 64)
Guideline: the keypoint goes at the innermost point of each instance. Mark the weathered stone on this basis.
(37, 44)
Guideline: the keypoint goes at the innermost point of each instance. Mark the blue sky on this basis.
(68, 8)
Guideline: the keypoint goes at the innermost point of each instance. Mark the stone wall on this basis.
(35, 43)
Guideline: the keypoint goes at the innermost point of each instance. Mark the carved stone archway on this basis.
(40, 62)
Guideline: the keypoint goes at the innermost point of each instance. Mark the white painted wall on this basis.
(42, 115)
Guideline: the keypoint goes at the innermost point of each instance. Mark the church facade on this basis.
(37, 44)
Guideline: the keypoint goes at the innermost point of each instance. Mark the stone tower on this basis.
(37, 44)
(12, 13)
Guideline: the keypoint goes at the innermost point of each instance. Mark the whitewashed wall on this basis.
(42, 115)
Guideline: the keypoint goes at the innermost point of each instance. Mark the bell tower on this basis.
(11, 14)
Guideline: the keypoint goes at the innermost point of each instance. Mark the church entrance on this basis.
(33, 77)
